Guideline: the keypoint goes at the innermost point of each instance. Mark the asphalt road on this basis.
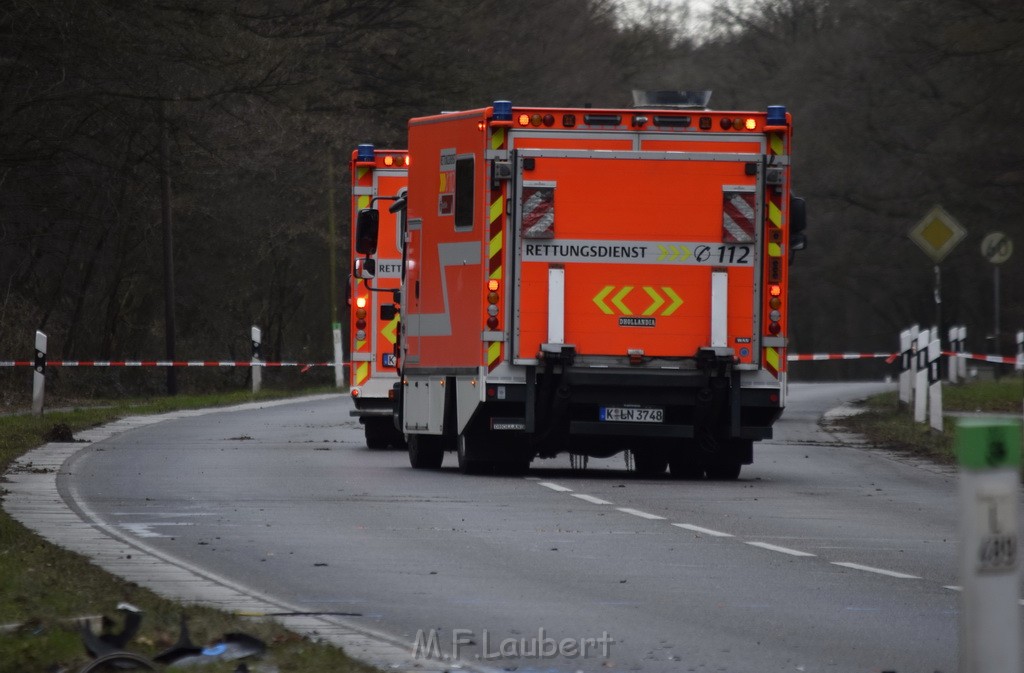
(823, 556)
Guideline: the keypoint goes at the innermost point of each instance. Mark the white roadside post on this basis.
(935, 384)
(906, 382)
(257, 366)
(339, 366)
(1019, 366)
(39, 375)
(989, 454)
(953, 370)
(921, 378)
(962, 348)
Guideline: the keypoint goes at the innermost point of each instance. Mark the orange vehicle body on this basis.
(376, 176)
(595, 280)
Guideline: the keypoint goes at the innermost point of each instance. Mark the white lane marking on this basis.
(590, 498)
(555, 487)
(782, 550)
(642, 515)
(879, 571)
(953, 587)
(143, 529)
(700, 529)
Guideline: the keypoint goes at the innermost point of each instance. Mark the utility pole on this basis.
(165, 216)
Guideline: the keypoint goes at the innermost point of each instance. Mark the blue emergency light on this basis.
(776, 115)
(364, 152)
(502, 111)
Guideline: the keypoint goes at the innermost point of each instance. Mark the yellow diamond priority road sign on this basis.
(937, 233)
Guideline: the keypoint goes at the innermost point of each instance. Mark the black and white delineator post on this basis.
(39, 374)
(961, 344)
(1019, 366)
(339, 355)
(906, 380)
(257, 365)
(953, 369)
(935, 384)
(989, 454)
(921, 378)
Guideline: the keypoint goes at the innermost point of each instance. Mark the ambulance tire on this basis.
(727, 462)
(378, 432)
(426, 452)
(724, 470)
(650, 462)
(468, 453)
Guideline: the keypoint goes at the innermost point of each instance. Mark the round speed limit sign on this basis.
(996, 247)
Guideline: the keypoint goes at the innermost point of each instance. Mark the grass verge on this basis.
(43, 588)
(886, 424)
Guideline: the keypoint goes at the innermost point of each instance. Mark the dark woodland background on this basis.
(897, 104)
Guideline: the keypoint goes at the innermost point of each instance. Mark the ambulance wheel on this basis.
(378, 432)
(650, 462)
(468, 453)
(426, 452)
(724, 470)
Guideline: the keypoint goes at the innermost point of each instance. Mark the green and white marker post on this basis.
(989, 455)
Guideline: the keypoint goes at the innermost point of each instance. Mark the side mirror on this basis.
(398, 205)
(367, 226)
(365, 268)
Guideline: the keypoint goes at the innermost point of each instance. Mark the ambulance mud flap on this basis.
(552, 397)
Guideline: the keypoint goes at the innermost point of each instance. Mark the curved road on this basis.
(823, 556)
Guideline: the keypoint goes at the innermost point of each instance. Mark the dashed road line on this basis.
(641, 514)
(781, 550)
(753, 543)
(879, 571)
(555, 487)
(701, 529)
(590, 498)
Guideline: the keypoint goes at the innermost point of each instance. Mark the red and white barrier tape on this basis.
(792, 357)
(818, 357)
(166, 363)
(999, 359)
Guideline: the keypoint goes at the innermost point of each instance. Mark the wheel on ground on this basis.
(727, 462)
(650, 462)
(378, 432)
(468, 452)
(395, 436)
(426, 452)
(724, 470)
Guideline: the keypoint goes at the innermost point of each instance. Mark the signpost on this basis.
(937, 233)
(996, 248)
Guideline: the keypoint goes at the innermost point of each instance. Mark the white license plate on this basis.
(633, 414)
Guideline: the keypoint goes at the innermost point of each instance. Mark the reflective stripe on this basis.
(775, 141)
(738, 217)
(497, 208)
(774, 213)
(771, 360)
(495, 246)
(497, 137)
(362, 373)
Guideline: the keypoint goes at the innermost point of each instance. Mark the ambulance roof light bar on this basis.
(502, 110)
(364, 152)
(776, 115)
(680, 100)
